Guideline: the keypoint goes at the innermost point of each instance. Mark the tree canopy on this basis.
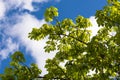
(18, 70)
(77, 50)
(77, 53)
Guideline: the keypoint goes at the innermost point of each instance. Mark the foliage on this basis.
(80, 53)
(18, 70)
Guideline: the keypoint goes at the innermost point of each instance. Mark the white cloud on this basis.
(10, 47)
(23, 25)
(40, 0)
(6, 5)
(2, 9)
(22, 4)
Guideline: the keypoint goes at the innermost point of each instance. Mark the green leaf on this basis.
(50, 13)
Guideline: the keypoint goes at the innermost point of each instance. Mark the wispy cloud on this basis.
(2, 9)
(22, 4)
(9, 47)
(7, 23)
(14, 30)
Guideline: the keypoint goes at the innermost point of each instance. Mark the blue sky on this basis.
(18, 17)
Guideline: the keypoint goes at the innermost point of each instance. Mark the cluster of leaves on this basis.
(18, 70)
(77, 50)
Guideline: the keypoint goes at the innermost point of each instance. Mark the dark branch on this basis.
(41, 77)
(72, 37)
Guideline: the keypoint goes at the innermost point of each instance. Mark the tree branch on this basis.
(72, 37)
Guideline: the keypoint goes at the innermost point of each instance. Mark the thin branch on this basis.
(77, 39)
(72, 37)
(41, 77)
(57, 22)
